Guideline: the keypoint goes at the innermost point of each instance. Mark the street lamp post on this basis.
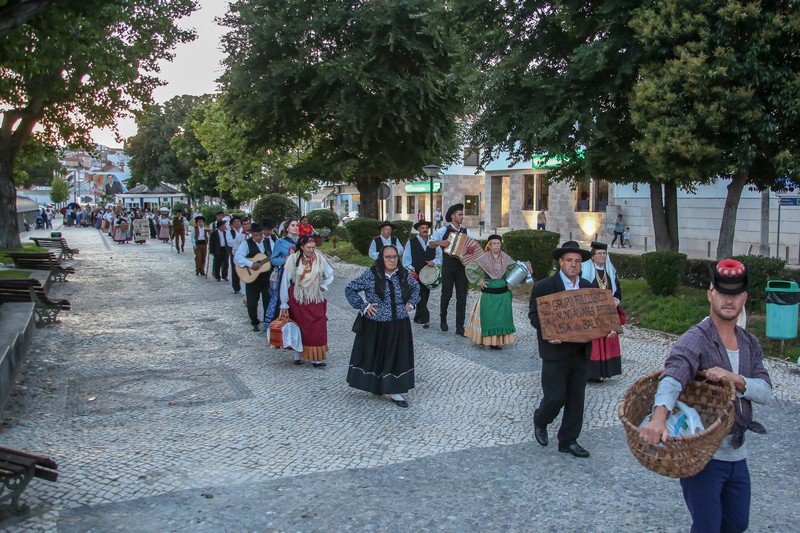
(431, 171)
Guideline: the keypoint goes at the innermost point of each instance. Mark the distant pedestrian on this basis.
(541, 220)
(200, 245)
(619, 227)
(437, 219)
(420, 215)
(626, 237)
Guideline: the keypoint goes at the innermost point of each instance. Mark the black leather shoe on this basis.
(496, 347)
(575, 449)
(400, 403)
(298, 361)
(460, 333)
(318, 365)
(426, 325)
(256, 328)
(443, 325)
(540, 432)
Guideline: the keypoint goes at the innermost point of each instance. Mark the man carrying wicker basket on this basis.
(718, 497)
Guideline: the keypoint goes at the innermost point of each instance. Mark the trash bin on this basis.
(782, 299)
(55, 234)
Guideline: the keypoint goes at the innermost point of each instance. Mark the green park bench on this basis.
(41, 261)
(59, 244)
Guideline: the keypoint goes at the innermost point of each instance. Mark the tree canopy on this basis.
(367, 85)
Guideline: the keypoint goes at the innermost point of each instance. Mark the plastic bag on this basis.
(682, 422)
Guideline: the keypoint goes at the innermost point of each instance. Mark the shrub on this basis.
(323, 219)
(361, 231)
(534, 246)
(402, 230)
(628, 266)
(698, 273)
(274, 207)
(209, 212)
(664, 271)
(760, 270)
(186, 209)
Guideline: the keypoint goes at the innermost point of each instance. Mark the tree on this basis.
(367, 85)
(557, 78)
(37, 163)
(14, 13)
(70, 69)
(59, 191)
(717, 97)
(153, 157)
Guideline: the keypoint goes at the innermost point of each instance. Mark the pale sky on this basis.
(194, 70)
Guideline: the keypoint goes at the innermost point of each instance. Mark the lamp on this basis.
(431, 171)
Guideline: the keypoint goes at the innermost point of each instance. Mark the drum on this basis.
(430, 277)
(518, 274)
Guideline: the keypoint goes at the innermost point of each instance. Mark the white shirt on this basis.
(238, 238)
(568, 285)
(437, 259)
(327, 279)
(243, 250)
(438, 235)
(200, 236)
(373, 249)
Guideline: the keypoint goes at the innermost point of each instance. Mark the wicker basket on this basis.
(679, 457)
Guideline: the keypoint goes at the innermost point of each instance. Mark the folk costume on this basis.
(565, 366)
(606, 357)
(491, 322)
(219, 252)
(303, 283)
(379, 242)
(382, 358)
(281, 250)
(179, 226)
(200, 245)
(453, 274)
(416, 256)
(163, 225)
(121, 230)
(258, 289)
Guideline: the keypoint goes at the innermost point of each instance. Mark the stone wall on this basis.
(455, 187)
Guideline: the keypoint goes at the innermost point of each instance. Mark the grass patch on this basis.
(10, 273)
(26, 247)
(345, 251)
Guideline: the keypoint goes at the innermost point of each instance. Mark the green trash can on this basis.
(55, 234)
(782, 299)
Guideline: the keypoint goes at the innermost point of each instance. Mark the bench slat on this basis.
(40, 459)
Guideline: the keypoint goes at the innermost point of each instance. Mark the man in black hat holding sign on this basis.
(453, 272)
(565, 365)
(384, 239)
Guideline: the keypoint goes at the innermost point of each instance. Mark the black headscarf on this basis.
(379, 271)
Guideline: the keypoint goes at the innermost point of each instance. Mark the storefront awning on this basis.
(423, 187)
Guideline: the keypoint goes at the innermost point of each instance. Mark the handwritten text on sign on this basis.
(578, 316)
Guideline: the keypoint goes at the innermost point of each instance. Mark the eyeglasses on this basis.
(390, 257)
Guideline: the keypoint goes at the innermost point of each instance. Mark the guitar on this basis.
(248, 275)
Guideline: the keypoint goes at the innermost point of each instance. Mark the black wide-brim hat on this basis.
(199, 217)
(571, 247)
(598, 246)
(453, 208)
(385, 223)
(423, 223)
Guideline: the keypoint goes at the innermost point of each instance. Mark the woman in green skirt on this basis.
(491, 322)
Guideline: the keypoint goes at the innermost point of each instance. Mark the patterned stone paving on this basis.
(154, 384)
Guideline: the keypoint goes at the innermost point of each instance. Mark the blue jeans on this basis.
(718, 497)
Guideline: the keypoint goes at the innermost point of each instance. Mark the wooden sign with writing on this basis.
(578, 316)
(141, 230)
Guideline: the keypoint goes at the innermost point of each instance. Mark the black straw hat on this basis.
(385, 223)
(453, 208)
(423, 223)
(571, 247)
(598, 246)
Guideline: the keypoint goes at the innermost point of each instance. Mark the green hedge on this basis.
(664, 271)
(361, 231)
(628, 266)
(274, 207)
(534, 246)
(323, 219)
(402, 230)
(209, 212)
(760, 270)
(182, 205)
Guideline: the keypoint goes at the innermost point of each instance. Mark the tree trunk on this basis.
(665, 215)
(763, 248)
(9, 229)
(727, 227)
(368, 189)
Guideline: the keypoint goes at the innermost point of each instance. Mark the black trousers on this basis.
(453, 273)
(220, 267)
(423, 315)
(257, 290)
(236, 283)
(563, 385)
(617, 235)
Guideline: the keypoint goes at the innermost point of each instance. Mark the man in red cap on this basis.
(718, 497)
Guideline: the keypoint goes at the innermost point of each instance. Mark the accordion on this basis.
(464, 248)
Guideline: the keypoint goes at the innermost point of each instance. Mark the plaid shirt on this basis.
(701, 348)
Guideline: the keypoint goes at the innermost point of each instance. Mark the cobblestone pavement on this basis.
(166, 412)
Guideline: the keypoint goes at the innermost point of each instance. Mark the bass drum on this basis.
(430, 277)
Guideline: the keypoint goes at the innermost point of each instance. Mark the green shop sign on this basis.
(423, 186)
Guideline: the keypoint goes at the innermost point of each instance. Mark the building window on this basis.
(411, 204)
(600, 195)
(528, 189)
(471, 156)
(398, 205)
(471, 205)
(582, 195)
(542, 193)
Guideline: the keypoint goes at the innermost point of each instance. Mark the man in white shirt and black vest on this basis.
(258, 289)
(453, 272)
(417, 256)
(218, 247)
(384, 239)
(235, 237)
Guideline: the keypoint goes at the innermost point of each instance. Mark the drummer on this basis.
(416, 256)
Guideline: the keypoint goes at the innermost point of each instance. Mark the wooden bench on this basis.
(57, 243)
(30, 290)
(41, 261)
(17, 469)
